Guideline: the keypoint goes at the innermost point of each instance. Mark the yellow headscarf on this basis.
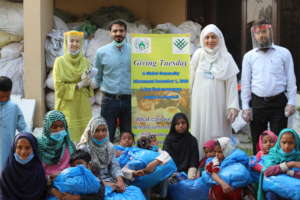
(73, 65)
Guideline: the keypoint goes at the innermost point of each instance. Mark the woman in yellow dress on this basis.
(72, 84)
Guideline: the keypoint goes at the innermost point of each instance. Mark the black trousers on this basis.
(114, 108)
(267, 110)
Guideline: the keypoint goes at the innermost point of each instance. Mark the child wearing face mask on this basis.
(23, 176)
(282, 158)
(55, 145)
(265, 142)
(11, 119)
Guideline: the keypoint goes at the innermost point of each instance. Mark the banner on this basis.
(160, 81)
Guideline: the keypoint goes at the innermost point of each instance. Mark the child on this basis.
(95, 141)
(150, 143)
(23, 176)
(182, 146)
(284, 156)
(11, 119)
(265, 142)
(55, 145)
(209, 150)
(126, 140)
(222, 191)
(80, 158)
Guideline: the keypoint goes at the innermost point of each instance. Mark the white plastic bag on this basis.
(54, 46)
(98, 97)
(11, 17)
(6, 38)
(13, 68)
(96, 110)
(168, 28)
(49, 81)
(50, 100)
(192, 28)
(102, 37)
(11, 51)
(59, 24)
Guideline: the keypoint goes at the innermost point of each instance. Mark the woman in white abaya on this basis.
(214, 88)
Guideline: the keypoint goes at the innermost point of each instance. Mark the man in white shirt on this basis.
(268, 83)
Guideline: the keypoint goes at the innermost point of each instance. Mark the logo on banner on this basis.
(141, 45)
(181, 45)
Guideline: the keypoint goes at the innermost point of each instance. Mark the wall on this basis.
(37, 23)
(290, 30)
(155, 11)
(161, 11)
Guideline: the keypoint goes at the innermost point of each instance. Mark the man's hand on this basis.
(247, 115)
(289, 110)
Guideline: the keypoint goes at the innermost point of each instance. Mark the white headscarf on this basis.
(223, 65)
(227, 145)
(101, 154)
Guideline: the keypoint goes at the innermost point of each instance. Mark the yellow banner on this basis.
(160, 81)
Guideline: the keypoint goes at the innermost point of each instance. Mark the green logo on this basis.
(142, 44)
(180, 43)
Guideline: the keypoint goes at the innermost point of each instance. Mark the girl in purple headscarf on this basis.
(23, 177)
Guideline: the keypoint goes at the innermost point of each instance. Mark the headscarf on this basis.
(274, 137)
(223, 65)
(26, 182)
(210, 145)
(276, 156)
(227, 145)
(73, 66)
(102, 154)
(182, 147)
(50, 150)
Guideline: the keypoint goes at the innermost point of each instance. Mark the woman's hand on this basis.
(226, 188)
(232, 114)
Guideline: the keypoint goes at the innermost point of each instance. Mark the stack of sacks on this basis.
(11, 44)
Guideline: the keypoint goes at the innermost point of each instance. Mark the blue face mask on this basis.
(21, 161)
(119, 44)
(154, 148)
(99, 142)
(59, 135)
(281, 151)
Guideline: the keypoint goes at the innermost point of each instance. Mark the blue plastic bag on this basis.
(160, 173)
(283, 185)
(77, 180)
(131, 193)
(189, 189)
(127, 155)
(140, 159)
(254, 174)
(236, 175)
